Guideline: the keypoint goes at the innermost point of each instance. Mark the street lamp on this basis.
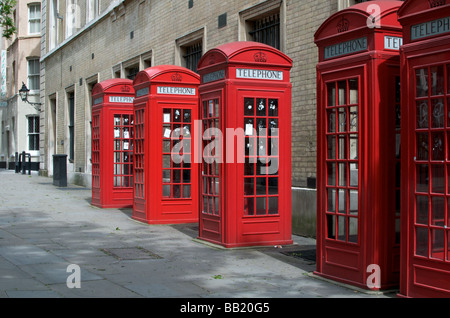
(23, 92)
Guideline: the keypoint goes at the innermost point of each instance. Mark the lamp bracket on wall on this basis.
(23, 92)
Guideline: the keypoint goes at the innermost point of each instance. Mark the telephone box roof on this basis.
(355, 19)
(113, 85)
(244, 52)
(166, 73)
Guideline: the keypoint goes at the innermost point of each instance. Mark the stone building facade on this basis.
(19, 120)
(85, 42)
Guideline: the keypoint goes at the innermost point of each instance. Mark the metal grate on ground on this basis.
(130, 253)
(306, 253)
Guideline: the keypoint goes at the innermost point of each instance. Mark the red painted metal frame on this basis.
(346, 252)
(228, 222)
(157, 93)
(425, 267)
(107, 192)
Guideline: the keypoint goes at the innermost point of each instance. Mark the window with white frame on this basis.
(91, 9)
(72, 17)
(33, 75)
(33, 133)
(53, 23)
(34, 18)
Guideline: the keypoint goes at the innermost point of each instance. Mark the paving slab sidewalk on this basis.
(44, 229)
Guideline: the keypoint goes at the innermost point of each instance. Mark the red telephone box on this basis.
(166, 177)
(358, 146)
(425, 148)
(112, 143)
(245, 108)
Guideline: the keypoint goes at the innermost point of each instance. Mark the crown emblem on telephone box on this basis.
(436, 3)
(177, 77)
(260, 57)
(343, 25)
